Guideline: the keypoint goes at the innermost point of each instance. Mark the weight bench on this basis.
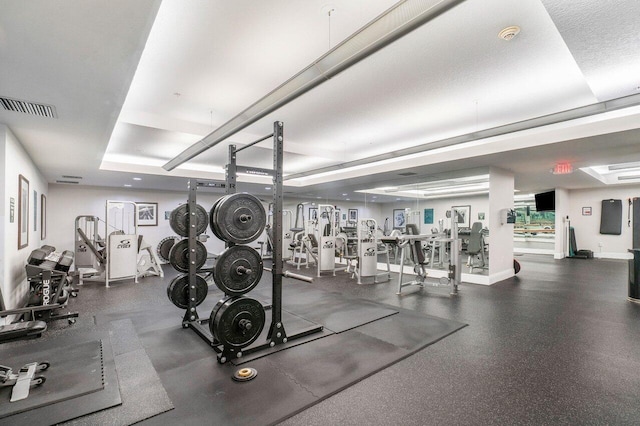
(49, 291)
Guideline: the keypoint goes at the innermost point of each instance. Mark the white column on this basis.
(561, 248)
(501, 189)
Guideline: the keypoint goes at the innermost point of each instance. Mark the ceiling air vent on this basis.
(67, 181)
(72, 177)
(407, 174)
(27, 107)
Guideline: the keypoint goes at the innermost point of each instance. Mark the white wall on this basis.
(587, 228)
(15, 162)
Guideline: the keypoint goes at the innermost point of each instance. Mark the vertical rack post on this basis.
(231, 171)
(277, 333)
(191, 314)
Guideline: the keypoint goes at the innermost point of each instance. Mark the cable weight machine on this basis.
(236, 322)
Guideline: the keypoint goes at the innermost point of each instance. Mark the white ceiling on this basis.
(136, 83)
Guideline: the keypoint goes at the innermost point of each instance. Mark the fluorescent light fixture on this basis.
(629, 177)
(137, 178)
(128, 185)
(626, 166)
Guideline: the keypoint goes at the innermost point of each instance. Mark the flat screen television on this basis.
(546, 201)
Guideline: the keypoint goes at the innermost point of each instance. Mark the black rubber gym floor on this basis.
(558, 344)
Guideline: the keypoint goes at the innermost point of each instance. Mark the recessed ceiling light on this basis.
(348, 199)
(319, 198)
(128, 185)
(344, 195)
(137, 178)
(267, 187)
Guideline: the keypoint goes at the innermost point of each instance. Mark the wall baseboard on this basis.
(613, 255)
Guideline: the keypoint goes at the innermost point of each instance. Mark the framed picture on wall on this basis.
(428, 216)
(464, 216)
(399, 221)
(353, 215)
(35, 210)
(586, 211)
(43, 216)
(23, 212)
(147, 214)
(313, 213)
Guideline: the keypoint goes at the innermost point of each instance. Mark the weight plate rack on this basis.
(236, 322)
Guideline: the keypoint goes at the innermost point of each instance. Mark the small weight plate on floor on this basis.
(236, 322)
(244, 374)
(179, 255)
(164, 246)
(239, 218)
(237, 270)
(178, 291)
(179, 220)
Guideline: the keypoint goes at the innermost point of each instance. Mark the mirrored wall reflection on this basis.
(432, 217)
(533, 229)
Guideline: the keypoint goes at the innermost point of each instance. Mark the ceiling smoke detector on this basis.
(509, 32)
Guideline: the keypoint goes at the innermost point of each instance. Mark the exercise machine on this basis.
(24, 380)
(49, 290)
(326, 232)
(124, 254)
(365, 265)
(411, 248)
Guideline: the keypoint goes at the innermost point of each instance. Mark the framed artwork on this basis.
(428, 216)
(147, 214)
(313, 213)
(464, 216)
(586, 211)
(480, 216)
(398, 219)
(23, 212)
(35, 210)
(43, 216)
(353, 215)
(167, 215)
(337, 217)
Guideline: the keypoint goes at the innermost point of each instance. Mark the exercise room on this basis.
(319, 212)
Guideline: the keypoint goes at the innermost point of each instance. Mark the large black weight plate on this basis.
(212, 223)
(239, 218)
(236, 322)
(179, 255)
(237, 270)
(164, 247)
(178, 291)
(179, 220)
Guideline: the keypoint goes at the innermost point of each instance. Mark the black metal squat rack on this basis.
(277, 334)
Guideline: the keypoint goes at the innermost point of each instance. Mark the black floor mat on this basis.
(290, 380)
(104, 397)
(74, 371)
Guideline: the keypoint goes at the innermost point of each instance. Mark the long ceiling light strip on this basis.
(404, 17)
(572, 114)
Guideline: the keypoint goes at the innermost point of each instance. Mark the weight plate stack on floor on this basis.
(179, 220)
(238, 270)
(179, 255)
(236, 322)
(238, 218)
(178, 291)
